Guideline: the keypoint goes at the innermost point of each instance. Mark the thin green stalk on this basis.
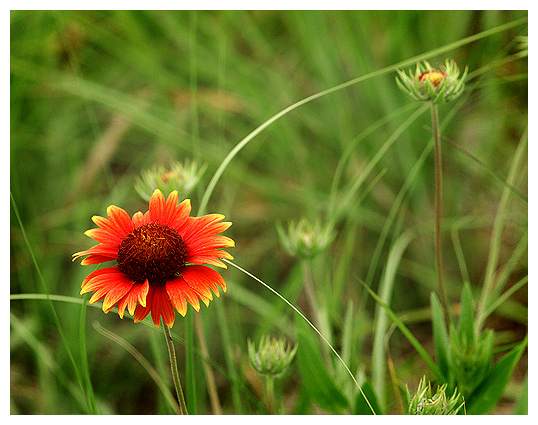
(437, 234)
(308, 286)
(209, 375)
(407, 333)
(229, 355)
(84, 358)
(509, 292)
(270, 394)
(173, 366)
(189, 364)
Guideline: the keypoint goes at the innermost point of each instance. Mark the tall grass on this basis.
(296, 114)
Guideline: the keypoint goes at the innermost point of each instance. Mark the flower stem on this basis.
(437, 242)
(270, 393)
(173, 365)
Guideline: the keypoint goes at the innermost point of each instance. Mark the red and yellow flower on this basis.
(162, 259)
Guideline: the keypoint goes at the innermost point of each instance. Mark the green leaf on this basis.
(414, 342)
(440, 337)
(486, 395)
(317, 381)
(466, 322)
(361, 405)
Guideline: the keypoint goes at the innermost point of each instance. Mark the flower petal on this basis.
(137, 294)
(100, 250)
(94, 259)
(98, 278)
(140, 219)
(158, 303)
(202, 278)
(120, 219)
(122, 286)
(175, 290)
(103, 236)
(200, 227)
(103, 282)
(179, 214)
(156, 206)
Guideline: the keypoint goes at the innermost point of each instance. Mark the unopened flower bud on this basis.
(426, 403)
(429, 84)
(272, 357)
(305, 239)
(182, 177)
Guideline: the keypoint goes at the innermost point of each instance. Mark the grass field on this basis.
(322, 133)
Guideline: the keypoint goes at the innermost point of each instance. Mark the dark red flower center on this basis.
(154, 252)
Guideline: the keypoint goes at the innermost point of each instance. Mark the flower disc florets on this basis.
(153, 252)
(429, 84)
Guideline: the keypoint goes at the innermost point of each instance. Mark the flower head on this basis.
(304, 238)
(426, 403)
(429, 84)
(273, 356)
(162, 259)
(182, 177)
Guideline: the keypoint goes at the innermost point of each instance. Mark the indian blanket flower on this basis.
(162, 259)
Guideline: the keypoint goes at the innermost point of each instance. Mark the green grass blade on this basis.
(407, 333)
(143, 362)
(47, 359)
(490, 289)
(522, 406)
(466, 322)
(45, 290)
(306, 320)
(440, 337)
(316, 379)
(361, 407)
(379, 357)
(378, 73)
(84, 358)
(486, 396)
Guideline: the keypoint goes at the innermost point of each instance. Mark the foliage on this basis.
(291, 114)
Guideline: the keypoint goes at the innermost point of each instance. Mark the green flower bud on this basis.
(429, 84)
(426, 403)
(305, 239)
(181, 177)
(273, 356)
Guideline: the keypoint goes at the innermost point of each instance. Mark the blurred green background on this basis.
(99, 96)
